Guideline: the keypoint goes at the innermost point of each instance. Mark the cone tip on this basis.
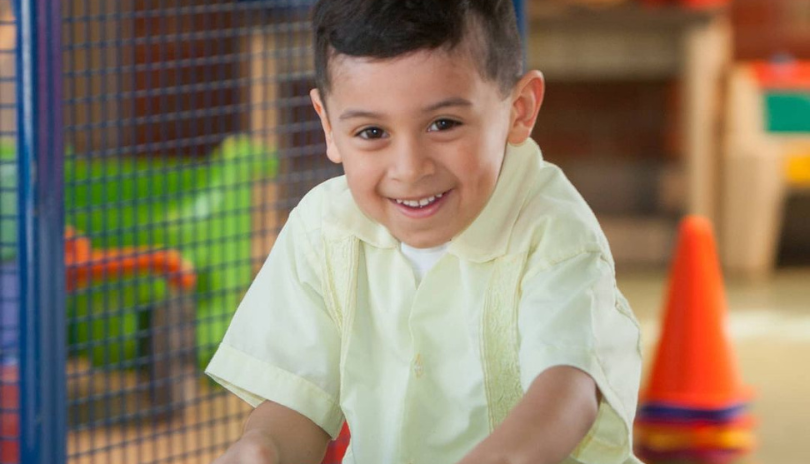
(696, 224)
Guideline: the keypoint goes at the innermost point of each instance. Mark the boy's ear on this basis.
(331, 150)
(527, 97)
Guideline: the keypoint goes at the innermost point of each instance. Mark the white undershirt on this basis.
(422, 259)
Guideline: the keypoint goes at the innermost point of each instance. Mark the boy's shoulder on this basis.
(554, 220)
(320, 202)
(329, 209)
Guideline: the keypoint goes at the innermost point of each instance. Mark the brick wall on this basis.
(622, 119)
(614, 140)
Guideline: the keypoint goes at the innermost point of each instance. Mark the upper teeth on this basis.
(420, 203)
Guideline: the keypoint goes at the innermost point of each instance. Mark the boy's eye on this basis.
(443, 125)
(371, 133)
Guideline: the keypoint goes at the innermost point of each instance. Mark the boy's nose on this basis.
(411, 162)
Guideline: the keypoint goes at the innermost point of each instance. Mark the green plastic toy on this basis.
(202, 208)
(8, 202)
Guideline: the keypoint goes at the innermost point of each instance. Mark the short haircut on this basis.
(390, 28)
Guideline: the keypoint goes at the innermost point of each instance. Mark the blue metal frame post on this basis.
(41, 243)
(520, 12)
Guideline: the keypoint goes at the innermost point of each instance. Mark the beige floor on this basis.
(196, 436)
(769, 323)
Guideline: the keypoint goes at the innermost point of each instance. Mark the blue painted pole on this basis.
(520, 12)
(40, 234)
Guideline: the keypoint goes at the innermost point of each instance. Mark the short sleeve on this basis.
(572, 314)
(281, 344)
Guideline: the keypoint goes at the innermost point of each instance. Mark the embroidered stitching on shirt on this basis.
(500, 339)
(340, 264)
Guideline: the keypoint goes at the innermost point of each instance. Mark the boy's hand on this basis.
(255, 447)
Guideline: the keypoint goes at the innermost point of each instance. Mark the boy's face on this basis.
(421, 137)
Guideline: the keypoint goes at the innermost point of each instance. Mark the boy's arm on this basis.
(554, 415)
(275, 434)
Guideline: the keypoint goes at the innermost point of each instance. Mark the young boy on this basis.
(451, 297)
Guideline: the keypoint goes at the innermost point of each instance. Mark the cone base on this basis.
(698, 400)
(659, 412)
(705, 456)
(660, 439)
(743, 421)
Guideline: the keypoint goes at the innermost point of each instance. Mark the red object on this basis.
(9, 415)
(694, 365)
(788, 75)
(704, 456)
(337, 448)
(695, 4)
(704, 3)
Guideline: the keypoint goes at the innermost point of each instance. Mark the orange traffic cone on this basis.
(694, 366)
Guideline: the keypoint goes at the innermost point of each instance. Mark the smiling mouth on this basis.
(421, 203)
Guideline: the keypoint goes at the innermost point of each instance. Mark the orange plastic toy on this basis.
(694, 366)
(83, 263)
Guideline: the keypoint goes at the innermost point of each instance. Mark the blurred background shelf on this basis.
(766, 160)
(632, 113)
(627, 41)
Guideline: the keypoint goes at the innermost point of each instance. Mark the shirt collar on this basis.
(346, 219)
(488, 236)
(485, 239)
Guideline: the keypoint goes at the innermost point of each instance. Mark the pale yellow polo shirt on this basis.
(335, 326)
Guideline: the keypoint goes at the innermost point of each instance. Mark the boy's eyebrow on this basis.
(456, 101)
(350, 114)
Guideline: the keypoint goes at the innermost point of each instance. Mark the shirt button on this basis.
(418, 369)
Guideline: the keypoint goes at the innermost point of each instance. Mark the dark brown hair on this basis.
(391, 28)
